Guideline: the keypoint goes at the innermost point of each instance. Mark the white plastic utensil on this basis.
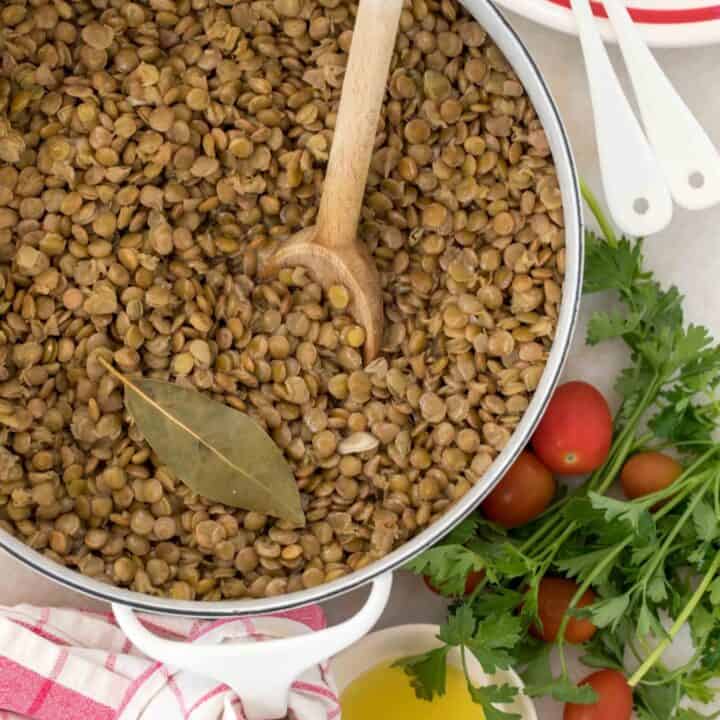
(635, 187)
(690, 161)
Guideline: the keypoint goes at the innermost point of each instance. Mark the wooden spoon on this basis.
(331, 249)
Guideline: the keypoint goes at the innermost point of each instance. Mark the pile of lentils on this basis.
(152, 154)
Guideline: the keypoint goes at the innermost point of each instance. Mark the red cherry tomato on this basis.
(615, 700)
(575, 433)
(554, 598)
(647, 473)
(472, 581)
(524, 493)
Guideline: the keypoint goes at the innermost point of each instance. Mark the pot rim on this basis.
(534, 83)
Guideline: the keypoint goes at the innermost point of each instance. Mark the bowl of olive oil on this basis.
(371, 688)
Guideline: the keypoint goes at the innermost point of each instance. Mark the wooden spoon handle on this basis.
(356, 125)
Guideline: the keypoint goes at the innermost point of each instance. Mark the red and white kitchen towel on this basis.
(61, 664)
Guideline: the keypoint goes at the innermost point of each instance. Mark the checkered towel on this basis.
(59, 664)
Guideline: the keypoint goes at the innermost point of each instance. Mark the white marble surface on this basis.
(686, 254)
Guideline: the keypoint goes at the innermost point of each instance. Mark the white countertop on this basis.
(686, 254)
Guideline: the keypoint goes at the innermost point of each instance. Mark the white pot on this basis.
(263, 672)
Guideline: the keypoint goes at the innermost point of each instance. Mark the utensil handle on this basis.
(689, 159)
(363, 89)
(637, 194)
(261, 673)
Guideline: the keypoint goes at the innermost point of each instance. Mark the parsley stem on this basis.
(642, 441)
(567, 532)
(659, 556)
(677, 625)
(668, 676)
(625, 441)
(594, 205)
(541, 540)
(685, 484)
(597, 570)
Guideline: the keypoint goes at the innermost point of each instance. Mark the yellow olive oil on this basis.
(385, 693)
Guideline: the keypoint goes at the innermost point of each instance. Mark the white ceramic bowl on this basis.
(404, 640)
(663, 23)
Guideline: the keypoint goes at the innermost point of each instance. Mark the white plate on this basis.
(663, 23)
(404, 640)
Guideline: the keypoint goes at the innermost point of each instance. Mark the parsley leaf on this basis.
(464, 532)
(610, 325)
(609, 267)
(607, 648)
(447, 566)
(711, 653)
(502, 631)
(498, 601)
(705, 521)
(689, 345)
(563, 689)
(538, 677)
(657, 586)
(606, 612)
(715, 592)
(459, 627)
(633, 514)
(689, 714)
(427, 672)
(493, 639)
(580, 566)
(501, 559)
(658, 702)
(489, 696)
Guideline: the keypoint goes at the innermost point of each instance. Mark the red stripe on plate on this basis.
(658, 17)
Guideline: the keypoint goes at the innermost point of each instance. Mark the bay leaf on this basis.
(218, 452)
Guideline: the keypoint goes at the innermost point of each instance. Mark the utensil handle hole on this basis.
(696, 180)
(641, 206)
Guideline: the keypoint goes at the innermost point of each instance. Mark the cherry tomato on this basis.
(522, 495)
(575, 433)
(554, 598)
(473, 580)
(647, 473)
(615, 700)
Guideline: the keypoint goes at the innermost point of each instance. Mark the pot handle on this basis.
(261, 673)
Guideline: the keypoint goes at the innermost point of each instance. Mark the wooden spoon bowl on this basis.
(353, 267)
(331, 249)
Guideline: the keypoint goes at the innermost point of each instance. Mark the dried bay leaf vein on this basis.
(215, 450)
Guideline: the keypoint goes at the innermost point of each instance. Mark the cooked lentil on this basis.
(151, 155)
